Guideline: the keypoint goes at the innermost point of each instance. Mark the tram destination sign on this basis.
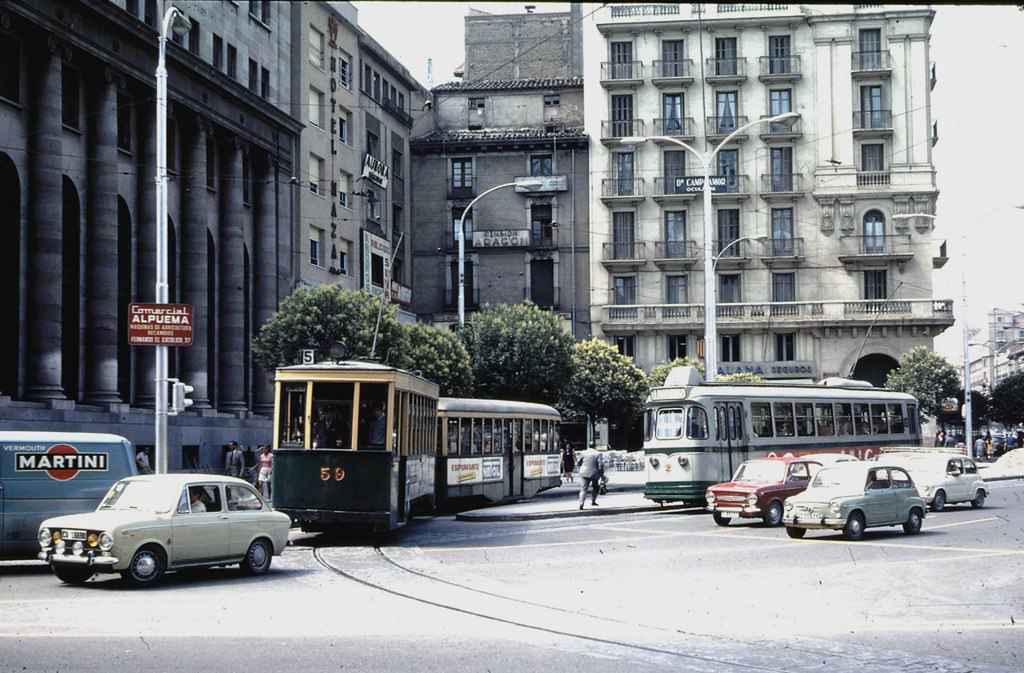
(159, 324)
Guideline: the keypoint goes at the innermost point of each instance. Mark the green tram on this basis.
(358, 442)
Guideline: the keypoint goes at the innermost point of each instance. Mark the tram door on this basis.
(514, 454)
(729, 437)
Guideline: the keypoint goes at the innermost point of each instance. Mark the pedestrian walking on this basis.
(940, 438)
(591, 471)
(142, 462)
(266, 470)
(568, 462)
(234, 461)
(979, 448)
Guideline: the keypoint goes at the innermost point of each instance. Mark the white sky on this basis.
(978, 103)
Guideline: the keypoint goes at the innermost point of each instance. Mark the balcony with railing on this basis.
(870, 64)
(732, 253)
(614, 130)
(782, 253)
(395, 109)
(623, 255)
(674, 127)
(872, 123)
(775, 131)
(676, 255)
(873, 178)
(619, 191)
(779, 68)
(782, 186)
(726, 70)
(938, 313)
(675, 189)
(719, 127)
(615, 74)
(860, 252)
(729, 187)
(678, 72)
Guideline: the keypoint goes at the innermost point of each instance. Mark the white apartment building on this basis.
(822, 267)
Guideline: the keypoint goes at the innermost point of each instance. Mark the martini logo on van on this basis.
(61, 461)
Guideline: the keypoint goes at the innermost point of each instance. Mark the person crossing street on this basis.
(591, 471)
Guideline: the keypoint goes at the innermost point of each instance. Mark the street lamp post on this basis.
(710, 287)
(461, 235)
(174, 20)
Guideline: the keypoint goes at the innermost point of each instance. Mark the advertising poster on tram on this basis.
(536, 467)
(474, 470)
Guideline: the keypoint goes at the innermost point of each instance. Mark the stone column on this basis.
(101, 261)
(194, 359)
(145, 233)
(231, 263)
(45, 205)
(265, 273)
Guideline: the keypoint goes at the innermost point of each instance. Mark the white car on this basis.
(146, 525)
(943, 478)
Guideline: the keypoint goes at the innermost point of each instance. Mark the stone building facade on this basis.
(820, 265)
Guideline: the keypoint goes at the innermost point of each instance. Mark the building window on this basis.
(344, 187)
(625, 290)
(467, 226)
(124, 121)
(622, 115)
(246, 178)
(70, 104)
(476, 103)
(218, 52)
(540, 164)
(316, 47)
(232, 61)
(730, 351)
(211, 163)
(193, 37)
(462, 176)
(870, 45)
(622, 60)
(396, 161)
(260, 9)
(345, 126)
(872, 157)
(875, 284)
(729, 168)
(265, 83)
(675, 289)
(674, 162)
(675, 234)
(149, 14)
(372, 204)
(316, 246)
(316, 108)
(552, 100)
(726, 106)
(316, 173)
(345, 70)
(874, 233)
(673, 57)
(782, 232)
(785, 347)
(779, 51)
(372, 144)
(254, 70)
(780, 101)
(623, 235)
(780, 163)
(725, 56)
(343, 257)
(729, 288)
(676, 346)
(728, 232)
(626, 345)
(541, 229)
(376, 86)
(783, 287)
(672, 113)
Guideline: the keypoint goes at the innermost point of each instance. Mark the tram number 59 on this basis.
(328, 473)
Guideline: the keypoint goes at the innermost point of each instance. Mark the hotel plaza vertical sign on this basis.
(159, 325)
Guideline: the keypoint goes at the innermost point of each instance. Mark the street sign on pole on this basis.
(159, 325)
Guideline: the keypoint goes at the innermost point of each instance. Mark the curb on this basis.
(590, 511)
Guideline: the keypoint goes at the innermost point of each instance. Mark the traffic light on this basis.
(179, 396)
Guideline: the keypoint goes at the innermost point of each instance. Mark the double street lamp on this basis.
(174, 20)
(460, 233)
(710, 287)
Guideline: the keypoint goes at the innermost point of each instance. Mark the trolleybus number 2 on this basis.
(327, 473)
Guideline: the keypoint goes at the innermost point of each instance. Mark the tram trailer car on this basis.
(697, 433)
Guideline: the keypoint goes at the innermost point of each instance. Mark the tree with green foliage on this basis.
(1007, 404)
(439, 356)
(660, 372)
(741, 377)
(519, 352)
(927, 376)
(605, 384)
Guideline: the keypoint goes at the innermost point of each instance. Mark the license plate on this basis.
(73, 534)
(726, 515)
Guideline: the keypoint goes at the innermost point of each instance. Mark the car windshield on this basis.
(140, 495)
(760, 470)
(837, 477)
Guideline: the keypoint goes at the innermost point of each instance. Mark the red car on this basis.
(761, 485)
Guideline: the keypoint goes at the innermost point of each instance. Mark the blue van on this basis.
(43, 474)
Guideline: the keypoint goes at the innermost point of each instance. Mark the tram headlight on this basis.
(44, 537)
(683, 461)
(752, 499)
(834, 507)
(654, 462)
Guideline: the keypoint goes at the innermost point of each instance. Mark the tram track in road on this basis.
(691, 651)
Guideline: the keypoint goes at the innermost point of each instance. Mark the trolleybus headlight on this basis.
(710, 497)
(654, 462)
(834, 507)
(106, 541)
(683, 461)
(752, 499)
(44, 537)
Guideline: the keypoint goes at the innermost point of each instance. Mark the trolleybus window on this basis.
(696, 423)
(293, 410)
(896, 419)
(879, 423)
(669, 424)
(861, 420)
(844, 418)
(825, 420)
(783, 419)
(761, 418)
(804, 419)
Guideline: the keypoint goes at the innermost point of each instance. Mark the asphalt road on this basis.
(665, 591)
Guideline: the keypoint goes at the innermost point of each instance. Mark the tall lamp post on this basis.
(174, 20)
(710, 288)
(527, 183)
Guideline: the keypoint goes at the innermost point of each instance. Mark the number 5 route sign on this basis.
(159, 325)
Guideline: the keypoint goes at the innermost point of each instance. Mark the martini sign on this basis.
(160, 325)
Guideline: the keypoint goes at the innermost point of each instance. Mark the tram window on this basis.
(292, 414)
(735, 422)
(649, 425)
(669, 424)
(696, 423)
(761, 418)
(844, 419)
(896, 419)
(374, 396)
(465, 436)
(825, 419)
(783, 419)
(453, 436)
(528, 435)
(804, 419)
(879, 422)
(488, 431)
(517, 436)
(544, 436)
(861, 419)
(478, 435)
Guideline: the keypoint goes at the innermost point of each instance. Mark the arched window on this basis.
(874, 233)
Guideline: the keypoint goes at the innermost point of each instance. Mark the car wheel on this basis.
(795, 533)
(73, 574)
(773, 515)
(913, 524)
(719, 519)
(979, 499)
(146, 568)
(257, 558)
(939, 501)
(854, 528)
